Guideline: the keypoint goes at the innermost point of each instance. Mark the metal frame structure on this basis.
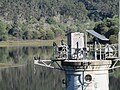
(73, 60)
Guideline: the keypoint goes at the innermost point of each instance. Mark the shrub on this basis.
(50, 35)
(50, 20)
(27, 35)
(43, 34)
(113, 39)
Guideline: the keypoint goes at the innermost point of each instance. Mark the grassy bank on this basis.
(28, 43)
(5, 65)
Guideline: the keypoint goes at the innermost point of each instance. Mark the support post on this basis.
(119, 33)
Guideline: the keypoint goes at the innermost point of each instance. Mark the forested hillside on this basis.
(49, 19)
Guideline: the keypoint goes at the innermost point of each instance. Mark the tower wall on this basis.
(93, 76)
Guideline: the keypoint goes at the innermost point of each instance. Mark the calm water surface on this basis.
(30, 77)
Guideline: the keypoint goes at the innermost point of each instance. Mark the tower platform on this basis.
(87, 65)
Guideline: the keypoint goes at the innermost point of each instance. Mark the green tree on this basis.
(109, 28)
(50, 20)
(42, 33)
(49, 35)
(3, 31)
(113, 39)
(27, 35)
(36, 34)
(58, 32)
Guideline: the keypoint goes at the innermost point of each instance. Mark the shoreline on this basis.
(28, 43)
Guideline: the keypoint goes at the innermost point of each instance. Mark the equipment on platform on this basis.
(83, 72)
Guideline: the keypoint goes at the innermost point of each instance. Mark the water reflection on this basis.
(25, 78)
(22, 54)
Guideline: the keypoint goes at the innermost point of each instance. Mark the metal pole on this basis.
(100, 51)
(77, 50)
(119, 33)
(83, 81)
(95, 50)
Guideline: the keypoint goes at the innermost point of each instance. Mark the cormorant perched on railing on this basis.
(62, 42)
(54, 44)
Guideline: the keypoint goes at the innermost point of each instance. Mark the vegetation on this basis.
(32, 21)
(109, 28)
(49, 19)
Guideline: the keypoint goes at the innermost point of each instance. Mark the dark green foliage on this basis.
(27, 35)
(78, 9)
(13, 31)
(2, 27)
(101, 9)
(113, 39)
(36, 34)
(4, 38)
(42, 33)
(50, 35)
(109, 28)
(58, 31)
(50, 20)
(30, 19)
(3, 31)
(75, 9)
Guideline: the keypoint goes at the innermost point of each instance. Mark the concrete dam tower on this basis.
(86, 65)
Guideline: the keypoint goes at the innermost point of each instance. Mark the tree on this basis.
(3, 31)
(36, 34)
(109, 28)
(50, 20)
(49, 35)
(113, 39)
(27, 35)
(42, 33)
(57, 31)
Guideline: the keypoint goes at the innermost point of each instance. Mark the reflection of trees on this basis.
(3, 53)
(22, 54)
(23, 78)
(14, 54)
(115, 79)
(114, 83)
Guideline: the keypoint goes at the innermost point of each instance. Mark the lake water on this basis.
(30, 77)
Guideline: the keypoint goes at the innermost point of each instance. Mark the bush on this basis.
(50, 35)
(57, 31)
(109, 28)
(50, 20)
(27, 35)
(3, 38)
(43, 34)
(36, 34)
(113, 39)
